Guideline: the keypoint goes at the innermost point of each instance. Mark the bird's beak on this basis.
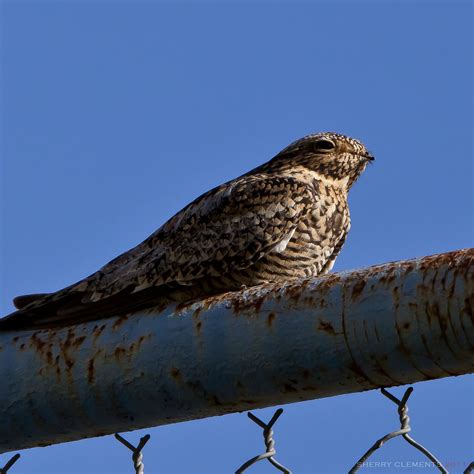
(369, 156)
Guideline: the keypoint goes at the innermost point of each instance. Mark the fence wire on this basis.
(9, 464)
(270, 451)
(403, 431)
(137, 456)
(269, 443)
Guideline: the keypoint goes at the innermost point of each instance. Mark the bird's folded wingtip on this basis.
(24, 300)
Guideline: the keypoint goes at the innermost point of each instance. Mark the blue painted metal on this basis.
(386, 325)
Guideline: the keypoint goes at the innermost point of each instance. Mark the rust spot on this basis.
(78, 341)
(175, 373)
(270, 319)
(216, 400)
(65, 347)
(289, 388)
(327, 282)
(389, 277)
(443, 282)
(396, 296)
(180, 307)
(119, 321)
(357, 370)
(357, 289)
(309, 301)
(22, 346)
(236, 306)
(428, 313)
(37, 342)
(406, 325)
(443, 323)
(401, 347)
(51, 333)
(15, 338)
(119, 352)
(366, 332)
(293, 292)
(452, 286)
(198, 327)
(381, 370)
(135, 346)
(96, 332)
(326, 326)
(90, 371)
(376, 333)
(254, 303)
(467, 308)
(158, 307)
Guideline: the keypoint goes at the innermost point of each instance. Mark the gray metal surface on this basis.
(386, 325)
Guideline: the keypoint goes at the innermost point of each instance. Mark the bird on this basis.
(284, 220)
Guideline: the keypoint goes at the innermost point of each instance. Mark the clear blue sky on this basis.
(117, 114)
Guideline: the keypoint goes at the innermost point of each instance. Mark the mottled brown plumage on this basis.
(285, 219)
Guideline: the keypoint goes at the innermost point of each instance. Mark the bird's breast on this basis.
(312, 244)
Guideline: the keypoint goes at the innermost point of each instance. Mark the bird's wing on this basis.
(230, 227)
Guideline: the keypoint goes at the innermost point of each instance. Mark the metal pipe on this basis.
(386, 325)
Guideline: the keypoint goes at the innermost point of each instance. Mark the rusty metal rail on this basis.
(386, 325)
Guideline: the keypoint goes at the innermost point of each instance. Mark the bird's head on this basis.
(333, 156)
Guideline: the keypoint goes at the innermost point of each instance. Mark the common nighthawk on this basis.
(285, 219)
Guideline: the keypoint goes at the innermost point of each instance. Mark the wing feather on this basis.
(228, 228)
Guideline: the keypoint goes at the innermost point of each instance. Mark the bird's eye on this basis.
(323, 144)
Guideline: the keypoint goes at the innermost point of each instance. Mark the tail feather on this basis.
(24, 300)
(69, 309)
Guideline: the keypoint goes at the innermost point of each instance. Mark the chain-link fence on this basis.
(270, 451)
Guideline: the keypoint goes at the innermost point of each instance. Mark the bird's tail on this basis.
(24, 300)
(68, 308)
